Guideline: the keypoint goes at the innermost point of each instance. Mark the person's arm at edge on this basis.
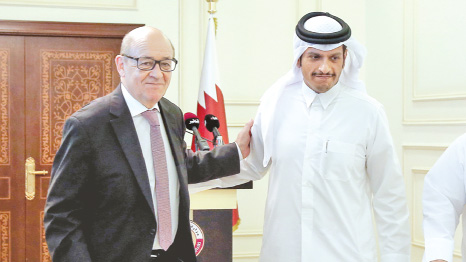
(443, 201)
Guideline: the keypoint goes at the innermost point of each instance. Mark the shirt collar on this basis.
(308, 93)
(325, 99)
(135, 107)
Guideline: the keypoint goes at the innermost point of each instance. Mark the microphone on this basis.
(212, 124)
(192, 123)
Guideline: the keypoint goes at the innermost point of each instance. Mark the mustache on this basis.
(321, 74)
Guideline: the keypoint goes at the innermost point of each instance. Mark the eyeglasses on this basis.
(147, 63)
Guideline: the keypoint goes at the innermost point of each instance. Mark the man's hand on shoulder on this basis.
(244, 138)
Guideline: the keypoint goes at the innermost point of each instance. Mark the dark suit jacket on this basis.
(99, 205)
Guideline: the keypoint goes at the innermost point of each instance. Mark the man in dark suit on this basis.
(101, 204)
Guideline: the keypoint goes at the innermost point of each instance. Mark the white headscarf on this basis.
(349, 76)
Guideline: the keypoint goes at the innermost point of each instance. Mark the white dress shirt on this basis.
(444, 201)
(143, 131)
(332, 166)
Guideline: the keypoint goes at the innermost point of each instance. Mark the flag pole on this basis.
(236, 220)
(212, 6)
(212, 10)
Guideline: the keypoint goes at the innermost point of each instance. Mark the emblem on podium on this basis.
(198, 237)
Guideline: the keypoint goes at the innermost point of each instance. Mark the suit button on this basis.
(152, 231)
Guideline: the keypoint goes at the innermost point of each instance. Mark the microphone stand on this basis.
(218, 141)
(200, 141)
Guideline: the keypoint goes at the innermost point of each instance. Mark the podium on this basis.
(211, 224)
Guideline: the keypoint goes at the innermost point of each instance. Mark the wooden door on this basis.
(12, 149)
(46, 74)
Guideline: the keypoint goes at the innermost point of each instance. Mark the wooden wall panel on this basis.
(5, 149)
(11, 148)
(5, 236)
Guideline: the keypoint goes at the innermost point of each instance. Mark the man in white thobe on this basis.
(330, 155)
(444, 201)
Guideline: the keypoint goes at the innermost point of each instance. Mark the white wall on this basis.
(434, 95)
(415, 67)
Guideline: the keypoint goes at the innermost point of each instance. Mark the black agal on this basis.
(322, 38)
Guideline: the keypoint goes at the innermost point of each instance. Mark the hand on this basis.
(244, 138)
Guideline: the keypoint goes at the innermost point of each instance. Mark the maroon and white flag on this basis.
(210, 99)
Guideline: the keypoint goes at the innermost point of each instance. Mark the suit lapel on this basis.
(125, 131)
(169, 122)
(175, 136)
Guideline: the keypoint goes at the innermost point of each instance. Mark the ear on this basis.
(298, 63)
(120, 65)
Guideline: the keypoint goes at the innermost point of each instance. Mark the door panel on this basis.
(12, 200)
(64, 74)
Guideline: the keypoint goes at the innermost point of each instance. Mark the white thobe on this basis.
(332, 164)
(444, 201)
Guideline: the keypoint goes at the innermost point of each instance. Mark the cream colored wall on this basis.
(415, 67)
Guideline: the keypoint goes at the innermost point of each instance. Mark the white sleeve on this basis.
(443, 201)
(388, 191)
